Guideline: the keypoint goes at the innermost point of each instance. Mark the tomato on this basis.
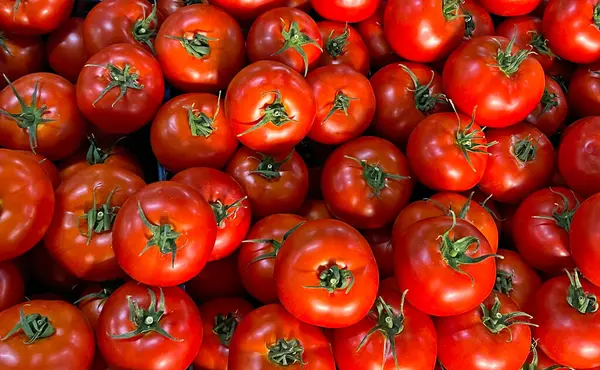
(551, 112)
(493, 336)
(34, 17)
(200, 49)
(579, 154)
(120, 89)
(515, 278)
(345, 11)
(509, 8)
(314, 210)
(168, 7)
(26, 204)
(566, 310)
(50, 274)
(494, 64)
(278, 111)
(538, 360)
(91, 303)
(164, 234)
(478, 21)
(343, 45)
(47, 166)
(220, 318)
(12, 285)
(371, 31)
(269, 338)
(380, 241)
(583, 238)
(446, 264)
(541, 227)
(583, 91)
(572, 29)
(217, 279)
(44, 334)
(273, 184)
(527, 33)
(366, 182)
(405, 95)
(448, 151)
(404, 22)
(145, 327)
(19, 56)
(65, 49)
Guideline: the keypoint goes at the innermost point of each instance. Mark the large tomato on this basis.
(584, 238)
(34, 17)
(478, 21)
(343, 45)
(12, 285)
(120, 88)
(583, 91)
(345, 11)
(551, 112)
(200, 49)
(19, 56)
(380, 241)
(371, 30)
(509, 8)
(164, 234)
(217, 279)
(145, 327)
(515, 278)
(65, 49)
(527, 33)
(278, 111)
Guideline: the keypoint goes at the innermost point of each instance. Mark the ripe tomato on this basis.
(541, 227)
(494, 62)
(579, 155)
(478, 21)
(229, 204)
(314, 210)
(137, 320)
(47, 165)
(34, 17)
(583, 238)
(65, 49)
(278, 111)
(19, 56)
(551, 112)
(269, 338)
(510, 8)
(583, 91)
(200, 49)
(366, 182)
(404, 22)
(217, 279)
(405, 94)
(343, 45)
(12, 285)
(566, 310)
(380, 241)
(515, 278)
(256, 261)
(371, 31)
(26, 204)
(120, 89)
(345, 11)
(164, 234)
(527, 33)
(220, 319)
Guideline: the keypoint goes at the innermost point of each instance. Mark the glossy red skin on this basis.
(283, 195)
(434, 287)
(508, 178)
(47, 165)
(57, 139)
(50, 273)
(435, 158)
(503, 107)
(92, 307)
(137, 107)
(521, 28)
(310, 249)
(326, 83)
(26, 56)
(510, 8)
(34, 17)
(344, 10)
(347, 193)
(213, 354)
(355, 54)
(314, 210)
(173, 143)
(542, 243)
(578, 156)
(187, 212)
(380, 241)
(65, 49)
(371, 31)
(168, 7)
(465, 343)
(568, 26)
(584, 88)
(416, 344)
(484, 25)
(539, 11)
(564, 334)
(27, 204)
(217, 279)
(150, 351)
(119, 157)
(254, 85)
(71, 347)
(552, 120)
(246, 11)
(525, 280)
(404, 22)
(12, 285)
(262, 328)
(214, 71)
(584, 237)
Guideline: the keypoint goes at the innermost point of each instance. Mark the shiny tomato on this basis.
(217, 279)
(65, 49)
(314, 210)
(584, 89)
(91, 303)
(478, 21)
(515, 278)
(12, 285)
(19, 56)
(34, 17)
(527, 33)
(120, 89)
(371, 30)
(200, 49)
(47, 165)
(583, 238)
(164, 234)
(345, 11)
(380, 241)
(509, 8)
(551, 112)
(168, 7)
(343, 45)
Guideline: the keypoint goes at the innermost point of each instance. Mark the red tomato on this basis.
(191, 130)
(527, 33)
(217, 279)
(584, 89)
(314, 210)
(19, 56)
(551, 112)
(478, 21)
(405, 21)
(91, 303)
(200, 49)
(12, 285)
(278, 111)
(343, 45)
(47, 165)
(34, 17)
(583, 238)
(494, 64)
(509, 8)
(380, 241)
(120, 89)
(164, 234)
(145, 327)
(49, 273)
(406, 94)
(371, 30)
(345, 11)
(65, 49)
(515, 278)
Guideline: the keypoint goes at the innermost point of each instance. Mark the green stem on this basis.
(525, 150)
(100, 219)
(275, 244)
(509, 63)
(102, 295)
(596, 17)
(504, 282)
(16, 6)
(425, 101)
(295, 39)
(335, 46)
(562, 218)
(3, 44)
(577, 298)
(144, 30)
(549, 101)
(163, 236)
(95, 154)
(374, 175)
(533, 364)
(121, 78)
(341, 102)
(268, 167)
(334, 278)
(201, 124)
(286, 352)
(274, 113)
(469, 24)
(34, 326)
(224, 327)
(450, 9)
(465, 140)
(197, 46)
(540, 44)
(224, 211)
(496, 322)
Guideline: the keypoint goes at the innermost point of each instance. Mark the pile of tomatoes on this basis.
(350, 185)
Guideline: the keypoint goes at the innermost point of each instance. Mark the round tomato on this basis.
(551, 112)
(120, 88)
(200, 49)
(91, 303)
(510, 8)
(217, 279)
(12, 285)
(314, 210)
(145, 327)
(371, 30)
(343, 45)
(515, 278)
(478, 21)
(34, 17)
(584, 238)
(345, 11)
(19, 56)
(164, 234)
(65, 49)
(583, 91)
(527, 33)
(380, 241)
(47, 165)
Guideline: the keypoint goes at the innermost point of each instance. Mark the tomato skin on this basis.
(92, 306)
(314, 210)
(213, 71)
(34, 17)
(550, 120)
(354, 52)
(583, 238)
(137, 107)
(164, 203)
(26, 56)
(255, 86)
(65, 49)
(380, 241)
(117, 157)
(47, 166)
(246, 11)
(345, 11)
(523, 29)
(217, 279)
(524, 280)
(12, 285)
(371, 31)
(481, 19)
(583, 91)
(509, 8)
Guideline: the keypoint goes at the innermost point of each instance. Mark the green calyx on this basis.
(201, 124)
(275, 244)
(268, 167)
(451, 8)
(274, 113)
(496, 322)
(100, 219)
(95, 154)
(146, 320)
(525, 150)
(562, 218)
(490, 211)
(334, 278)
(341, 103)
(3, 44)
(163, 236)
(469, 24)
(30, 116)
(144, 30)
(465, 139)
(102, 295)
(225, 211)
(118, 77)
(577, 298)
(225, 326)
(335, 45)
(286, 352)
(596, 17)
(197, 46)
(540, 44)
(425, 102)
(295, 39)
(34, 326)
(533, 364)
(504, 283)
(374, 175)
(16, 6)
(509, 63)
(549, 101)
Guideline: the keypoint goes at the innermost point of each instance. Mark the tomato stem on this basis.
(335, 45)
(464, 210)
(222, 211)
(496, 322)
(577, 298)
(95, 154)
(163, 236)
(465, 140)
(425, 101)
(118, 77)
(197, 46)
(450, 9)
(224, 327)
(34, 326)
(3, 44)
(142, 29)
(524, 150)
(268, 167)
(201, 124)
(533, 365)
(274, 113)
(375, 176)
(103, 295)
(490, 211)
(295, 39)
(16, 7)
(509, 63)
(504, 283)
(275, 244)
(100, 219)
(596, 17)
(341, 102)
(549, 101)
(540, 44)
(562, 219)
(286, 352)
(469, 24)
(334, 278)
